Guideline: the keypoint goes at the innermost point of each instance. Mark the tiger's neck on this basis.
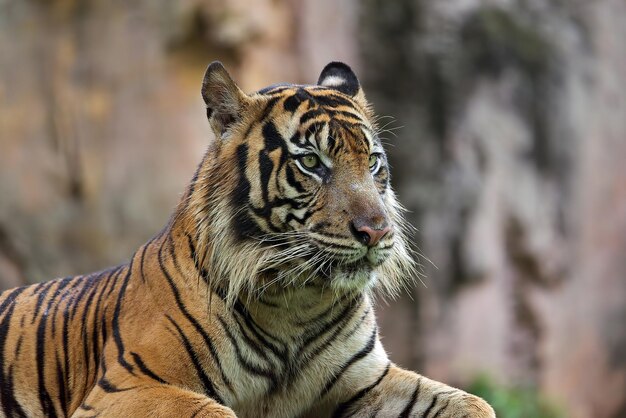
(277, 309)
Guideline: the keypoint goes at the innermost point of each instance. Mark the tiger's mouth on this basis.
(346, 266)
(348, 270)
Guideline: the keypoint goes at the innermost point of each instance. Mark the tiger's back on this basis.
(51, 337)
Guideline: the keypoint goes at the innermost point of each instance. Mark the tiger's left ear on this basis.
(224, 100)
(339, 76)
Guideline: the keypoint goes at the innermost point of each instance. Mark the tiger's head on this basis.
(295, 188)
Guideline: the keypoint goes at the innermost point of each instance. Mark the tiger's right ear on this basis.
(224, 99)
(339, 76)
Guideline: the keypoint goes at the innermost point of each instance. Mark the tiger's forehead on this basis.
(315, 115)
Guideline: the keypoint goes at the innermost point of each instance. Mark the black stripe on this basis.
(313, 129)
(57, 306)
(278, 352)
(115, 323)
(45, 400)
(431, 406)
(340, 321)
(356, 357)
(266, 167)
(97, 321)
(61, 383)
(141, 262)
(242, 224)
(272, 138)
(409, 407)
(443, 408)
(262, 300)
(195, 414)
(41, 296)
(192, 320)
(117, 274)
(86, 407)
(318, 350)
(292, 102)
(18, 347)
(291, 217)
(12, 406)
(10, 298)
(343, 407)
(202, 272)
(87, 308)
(103, 331)
(291, 180)
(434, 402)
(251, 343)
(261, 334)
(322, 316)
(192, 185)
(332, 145)
(65, 342)
(209, 388)
(357, 325)
(145, 369)
(109, 387)
(354, 118)
(275, 89)
(311, 114)
(86, 285)
(44, 397)
(327, 99)
(8, 402)
(269, 106)
(249, 367)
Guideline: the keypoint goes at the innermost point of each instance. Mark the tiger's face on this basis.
(311, 185)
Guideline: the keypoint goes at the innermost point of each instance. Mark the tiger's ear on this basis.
(224, 99)
(339, 76)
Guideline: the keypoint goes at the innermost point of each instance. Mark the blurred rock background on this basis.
(507, 140)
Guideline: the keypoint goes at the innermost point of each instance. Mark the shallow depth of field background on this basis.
(507, 140)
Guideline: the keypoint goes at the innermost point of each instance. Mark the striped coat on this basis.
(255, 299)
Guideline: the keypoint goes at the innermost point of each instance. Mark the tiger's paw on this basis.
(457, 405)
(215, 411)
(468, 406)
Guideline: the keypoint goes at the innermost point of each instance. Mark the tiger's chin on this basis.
(350, 277)
(353, 280)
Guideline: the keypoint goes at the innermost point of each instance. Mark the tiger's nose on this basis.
(368, 235)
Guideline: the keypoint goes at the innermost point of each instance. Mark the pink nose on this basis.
(370, 236)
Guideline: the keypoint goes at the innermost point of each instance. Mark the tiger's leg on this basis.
(151, 401)
(401, 393)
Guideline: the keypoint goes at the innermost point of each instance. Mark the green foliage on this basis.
(514, 402)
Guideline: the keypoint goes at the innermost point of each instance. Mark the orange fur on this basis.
(255, 299)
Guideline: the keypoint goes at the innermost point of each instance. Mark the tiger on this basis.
(255, 300)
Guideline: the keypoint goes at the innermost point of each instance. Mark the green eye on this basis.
(373, 161)
(310, 161)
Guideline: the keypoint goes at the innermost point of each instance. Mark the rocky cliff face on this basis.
(514, 121)
(509, 158)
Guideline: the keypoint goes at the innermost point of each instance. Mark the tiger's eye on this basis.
(373, 160)
(310, 161)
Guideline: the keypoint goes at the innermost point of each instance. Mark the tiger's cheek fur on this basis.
(271, 191)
